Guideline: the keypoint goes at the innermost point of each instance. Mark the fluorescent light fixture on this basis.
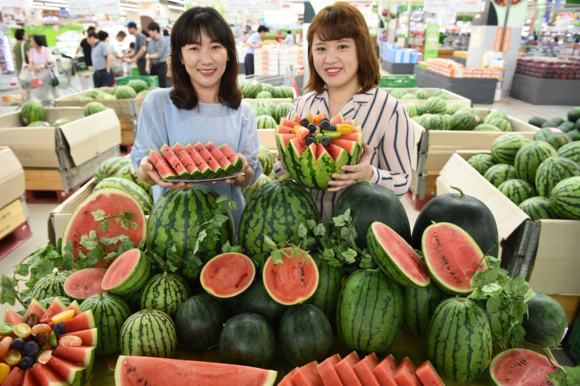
(57, 2)
(132, 6)
(129, 9)
(178, 1)
(48, 8)
(177, 8)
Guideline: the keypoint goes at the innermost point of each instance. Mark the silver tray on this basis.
(234, 175)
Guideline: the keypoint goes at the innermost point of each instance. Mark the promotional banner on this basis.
(253, 5)
(91, 7)
(432, 41)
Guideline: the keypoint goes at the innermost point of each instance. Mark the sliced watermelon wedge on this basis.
(328, 373)
(82, 355)
(29, 379)
(89, 337)
(232, 156)
(340, 156)
(364, 370)
(47, 377)
(224, 162)
(174, 161)
(163, 167)
(207, 157)
(15, 378)
(284, 130)
(75, 306)
(385, 371)
(289, 123)
(35, 308)
(307, 375)
(405, 374)
(299, 146)
(345, 370)
(356, 137)
(72, 373)
(186, 160)
(428, 375)
(56, 307)
(338, 119)
(296, 119)
(133, 370)
(287, 380)
(284, 139)
(200, 163)
(80, 322)
(12, 317)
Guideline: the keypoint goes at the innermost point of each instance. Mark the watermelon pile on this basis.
(131, 90)
(195, 162)
(267, 113)
(400, 93)
(540, 175)
(252, 90)
(571, 126)
(435, 114)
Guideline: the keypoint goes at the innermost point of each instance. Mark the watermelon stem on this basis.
(282, 178)
(459, 298)
(368, 183)
(544, 352)
(459, 190)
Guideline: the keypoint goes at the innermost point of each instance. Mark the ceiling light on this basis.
(177, 8)
(131, 6)
(48, 8)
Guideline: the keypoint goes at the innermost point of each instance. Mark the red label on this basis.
(477, 118)
(555, 130)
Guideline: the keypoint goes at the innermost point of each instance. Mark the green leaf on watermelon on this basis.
(128, 215)
(269, 245)
(93, 257)
(113, 240)
(232, 205)
(22, 270)
(349, 256)
(319, 229)
(277, 256)
(98, 215)
(68, 258)
(311, 223)
(366, 263)
(568, 376)
(105, 226)
(125, 246)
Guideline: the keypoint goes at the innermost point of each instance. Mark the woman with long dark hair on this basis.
(204, 105)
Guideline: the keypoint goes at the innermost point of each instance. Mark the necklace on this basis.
(340, 103)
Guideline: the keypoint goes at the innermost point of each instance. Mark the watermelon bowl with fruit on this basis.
(312, 149)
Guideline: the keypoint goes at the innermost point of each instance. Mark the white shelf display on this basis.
(273, 61)
(8, 80)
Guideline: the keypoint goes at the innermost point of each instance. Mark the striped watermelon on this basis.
(293, 206)
(435, 122)
(281, 111)
(110, 312)
(552, 171)
(253, 89)
(130, 188)
(574, 135)
(148, 333)
(538, 208)
(199, 322)
(481, 162)
(529, 158)
(537, 121)
(567, 126)
(260, 110)
(420, 304)
(266, 160)
(453, 108)
(505, 148)
(442, 94)
(125, 92)
(48, 301)
(32, 111)
(137, 84)
(128, 273)
(462, 120)
(129, 173)
(570, 151)
(329, 285)
(265, 122)
(459, 340)
(164, 292)
(554, 136)
(305, 335)
(501, 123)
(574, 114)
(110, 168)
(435, 105)
(284, 92)
(498, 174)
(175, 213)
(486, 127)
(267, 87)
(478, 114)
(565, 198)
(493, 115)
(409, 96)
(398, 93)
(269, 106)
(248, 339)
(93, 108)
(414, 110)
(49, 286)
(264, 95)
(517, 190)
(422, 94)
(370, 312)
(261, 180)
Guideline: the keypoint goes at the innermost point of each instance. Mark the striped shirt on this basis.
(386, 129)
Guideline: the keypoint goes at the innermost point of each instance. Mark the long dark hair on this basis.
(187, 30)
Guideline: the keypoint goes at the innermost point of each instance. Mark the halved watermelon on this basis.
(46, 377)
(220, 157)
(227, 275)
(89, 337)
(211, 161)
(287, 380)
(84, 283)
(199, 161)
(364, 370)
(405, 374)
(345, 370)
(56, 307)
(385, 371)
(35, 308)
(72, 373)
(133, 370)
(84, 355)
(520, 367)
(162, 165)
(328, 373)
(76, 307)
(186, 160)
(284, 130)
(15, 378)
(12, 317)
(428, 375)
(232, 156)
(84, 321)
(128, 274)
(174, 161)
(307, 375)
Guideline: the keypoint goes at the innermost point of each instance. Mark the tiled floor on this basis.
(39, 213)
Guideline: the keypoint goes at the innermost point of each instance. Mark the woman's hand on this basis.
(360, 171)
(147, 69)
(150, 175)
(240, 179)
(37, 68)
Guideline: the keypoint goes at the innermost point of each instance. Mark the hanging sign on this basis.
(253, 5)
(455, 5)
(432, 41)
(91, 7)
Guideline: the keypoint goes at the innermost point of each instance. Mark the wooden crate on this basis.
(11, 217)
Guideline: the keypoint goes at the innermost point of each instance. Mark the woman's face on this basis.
(205, 61)
(336, 61)
(32, 42)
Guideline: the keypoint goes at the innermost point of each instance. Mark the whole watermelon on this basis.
(285, 92)
(93, 108)
(38, 124)
(138, 85)
(329, 285)
(252, 89)
(260, 111)
(199, 322)
(414, 110)
(554, 136)
(501, 123)
(481, 162)
(292, 206)
(269, 106)
(537, 121)
(498, 174)
(530, 156)
(369, 203)
(570, 151)
(369, 312)
(32, 111)
(149, 333)
(435, 122)
(420, 305)
(175, 213)
(435, 105)
(164, 292)
(265, 122)
(574, 114)
(110, 167)
(517, 190)
(49, 286)
(281, 111)
(547, 321)
(266, 160)
(552, 171)
(462, 120)
(538, 208)
(565, 198)
(398, 93)
(493, 115)
(256, 299)
(267, 88)
(128, 172)
(264, 95)
(48, 301)
(459, 340)
(125, 92)
(468, 213)
(422, 94)
(248, 339)
(261, 180)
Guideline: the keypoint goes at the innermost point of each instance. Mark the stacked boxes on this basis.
(453, 69)
(394, 54)
(296, 58)
(553, 68)
(273, 61)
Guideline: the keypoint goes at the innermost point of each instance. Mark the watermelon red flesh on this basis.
(285, 139)
(328, 373)
(385, 371)
(89, 337)
(220, 157)
(70, 372)
(307, 375)
(199, 161)
(56, 307)
(15, 378)
(82, 355)
(336, 153)
(174, 161)
(355, 137)
(345, 370)
(45, 376)
(293, 281)
(338, 119)
(227, 275)
(121, 269)
(428, 376)
(163, 167)
(299, 145)
(211, 161)
(319, 150)
(80, 322)
(29, 379)
(111, 201)
(75, 306)
(132, 371)
(85, 283)
(452, 257)
(284, 130)
(35, 308)
(12, 317)
(405, 374)
(350, 146)
(520, 367)
(186, 160)
(286, 381)
(232, 156)
(364, 370)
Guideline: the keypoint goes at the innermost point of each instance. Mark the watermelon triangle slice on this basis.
(47, 377)
(163, 167)
(80, 322)
(82, 355)
(307, 375)
(16, 377)
(328, 373)
(345, 370)
(29, 379)
(287, 380)
(175, 163)
(75, 306)
(284, 130)
(89, 337)
(207, 157)
(132, 370)
(35, 308)
(220, 157)
(186, 160)
(385, 371)
(72, 373)
(232, 156)
(12, 317)
(56, 307)
(364, 370)
(200, 163)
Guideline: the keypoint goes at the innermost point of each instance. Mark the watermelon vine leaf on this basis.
(569, 376)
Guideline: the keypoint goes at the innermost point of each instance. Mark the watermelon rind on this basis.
(225, 271)
(552, 171)
(538, 208)
(530, 156)
(565, 198)
(134, 280)
(149, 333)
(570, 151)
(130, 188)
(110, 167)
(517, 190)
(164, 292)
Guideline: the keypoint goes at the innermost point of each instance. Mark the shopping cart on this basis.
(64, 68)
(86, 80)
(42, 89)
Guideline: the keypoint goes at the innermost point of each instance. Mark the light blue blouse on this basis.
(160, 121)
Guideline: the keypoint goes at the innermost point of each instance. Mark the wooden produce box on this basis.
(11, 177)
(60, 158)
(455, 98)
(545, 252)
(12, 216)
(434, 148)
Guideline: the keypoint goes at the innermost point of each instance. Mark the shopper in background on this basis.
(86, 47)
(117, 52)
(289, 41)
(146, 34)
(140, 48)
(102, 60)
(131, 49)
(253, 42)
(168, 40)
(382, 39)
(344, 75)
(279, 39)
(204, 105)
(42, 61)
(21, 39)
(157, 55)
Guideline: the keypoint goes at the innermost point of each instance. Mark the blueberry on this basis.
(332, 128)
(18, 344)
(309, 140)
(31, 348)
(26, 362)
(312, 127)
(325, 141)
(325, 125)
(304, 122)
(59, 329)
(325, 119)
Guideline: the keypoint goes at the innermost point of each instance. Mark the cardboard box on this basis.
(555, 262)
(83, 139)
(11, 217)
(11, 177)
(455, 98)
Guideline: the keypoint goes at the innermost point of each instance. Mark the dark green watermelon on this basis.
(329, 285)
(257, 300)
(420, 304)
(547, 322)
(369, 203)
(248, 340)
(199, 322)
(467, 212)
